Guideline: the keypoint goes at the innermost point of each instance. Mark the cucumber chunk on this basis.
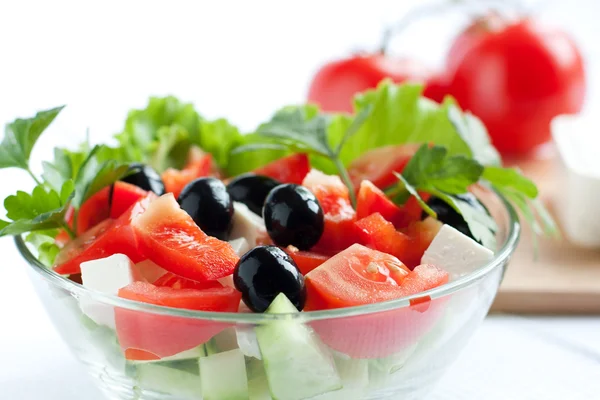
(223, 376)
(258, 387)
(355, 378)
(169, 380)
(297, 364)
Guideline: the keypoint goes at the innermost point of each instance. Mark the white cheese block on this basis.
(456, 253)
(106, 275)
(246, 340)
(578, 176)
(247, 225)
(150, 271)
(240, 246)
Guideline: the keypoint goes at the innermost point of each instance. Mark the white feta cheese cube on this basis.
(240, 246)
(455, 252)
(246, 340)
(106, 275)
(150, 270)
(247, 225)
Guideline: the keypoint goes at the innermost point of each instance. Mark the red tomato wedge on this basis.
(377, 233)
(124, 195)
(200, 165)
(145, 335)
(359, 276)
(290, 169)
(95, 210)
(334, 198)
(356, 276)
(115, 236)
(378, 165)
(168, 236)
(306, 261)
(177, 282)
(372, 200)
(421, 234)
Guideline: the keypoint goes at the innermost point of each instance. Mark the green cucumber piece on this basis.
(169, 380)
(223, 376)
(297, 364)
(355, 379)
(258, 387)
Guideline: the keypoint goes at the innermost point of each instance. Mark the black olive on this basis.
(448, 215)
(145, 177)
(263, 273)
(252, 190)
(206, 200)
(293, 216)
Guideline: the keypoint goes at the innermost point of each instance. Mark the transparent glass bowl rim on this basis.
(500, 257)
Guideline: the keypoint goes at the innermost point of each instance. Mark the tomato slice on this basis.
(290, 169)
(355, 276)
(168, 236)
(124, 195)
(200, 165)
(95, 210)
(333, 195)
(306, 261)
(177, 282)
(372, 200)
(377, 233)
(108, 238)
(421, 234)
(143, 335)
(359, 276)
(411, 211)
(378, 165)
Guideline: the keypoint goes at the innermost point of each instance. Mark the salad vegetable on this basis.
(310, 212)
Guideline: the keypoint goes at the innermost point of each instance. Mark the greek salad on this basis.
(311, 211)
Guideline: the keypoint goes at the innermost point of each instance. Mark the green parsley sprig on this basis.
(72, 178)
(295, 131)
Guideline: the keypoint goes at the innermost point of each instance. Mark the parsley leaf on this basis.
(47, 249)
(95, 175)
(43, 209)
(293, 129)
(21, 135)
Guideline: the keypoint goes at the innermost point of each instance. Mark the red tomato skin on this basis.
(377, 233)
(177, 282)
(118, 237)
(378, 165)
(124, 195)
(421, 234)
(372, 200)
(335, 84)
(168, 236)
(306, 261)
(386, 333)
(199, 165)
(334, 198)
(290, 169)
(520, 98)
(95, 210)
(144, 335)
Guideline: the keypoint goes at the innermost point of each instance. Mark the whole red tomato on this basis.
(516, 76)
(336, 83)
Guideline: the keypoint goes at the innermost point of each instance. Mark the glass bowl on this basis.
(392, 350)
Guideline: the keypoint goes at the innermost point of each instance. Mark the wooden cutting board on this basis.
(564, 279)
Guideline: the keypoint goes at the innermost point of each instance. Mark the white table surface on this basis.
(242, 60)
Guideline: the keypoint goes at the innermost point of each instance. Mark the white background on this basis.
(242, 60)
